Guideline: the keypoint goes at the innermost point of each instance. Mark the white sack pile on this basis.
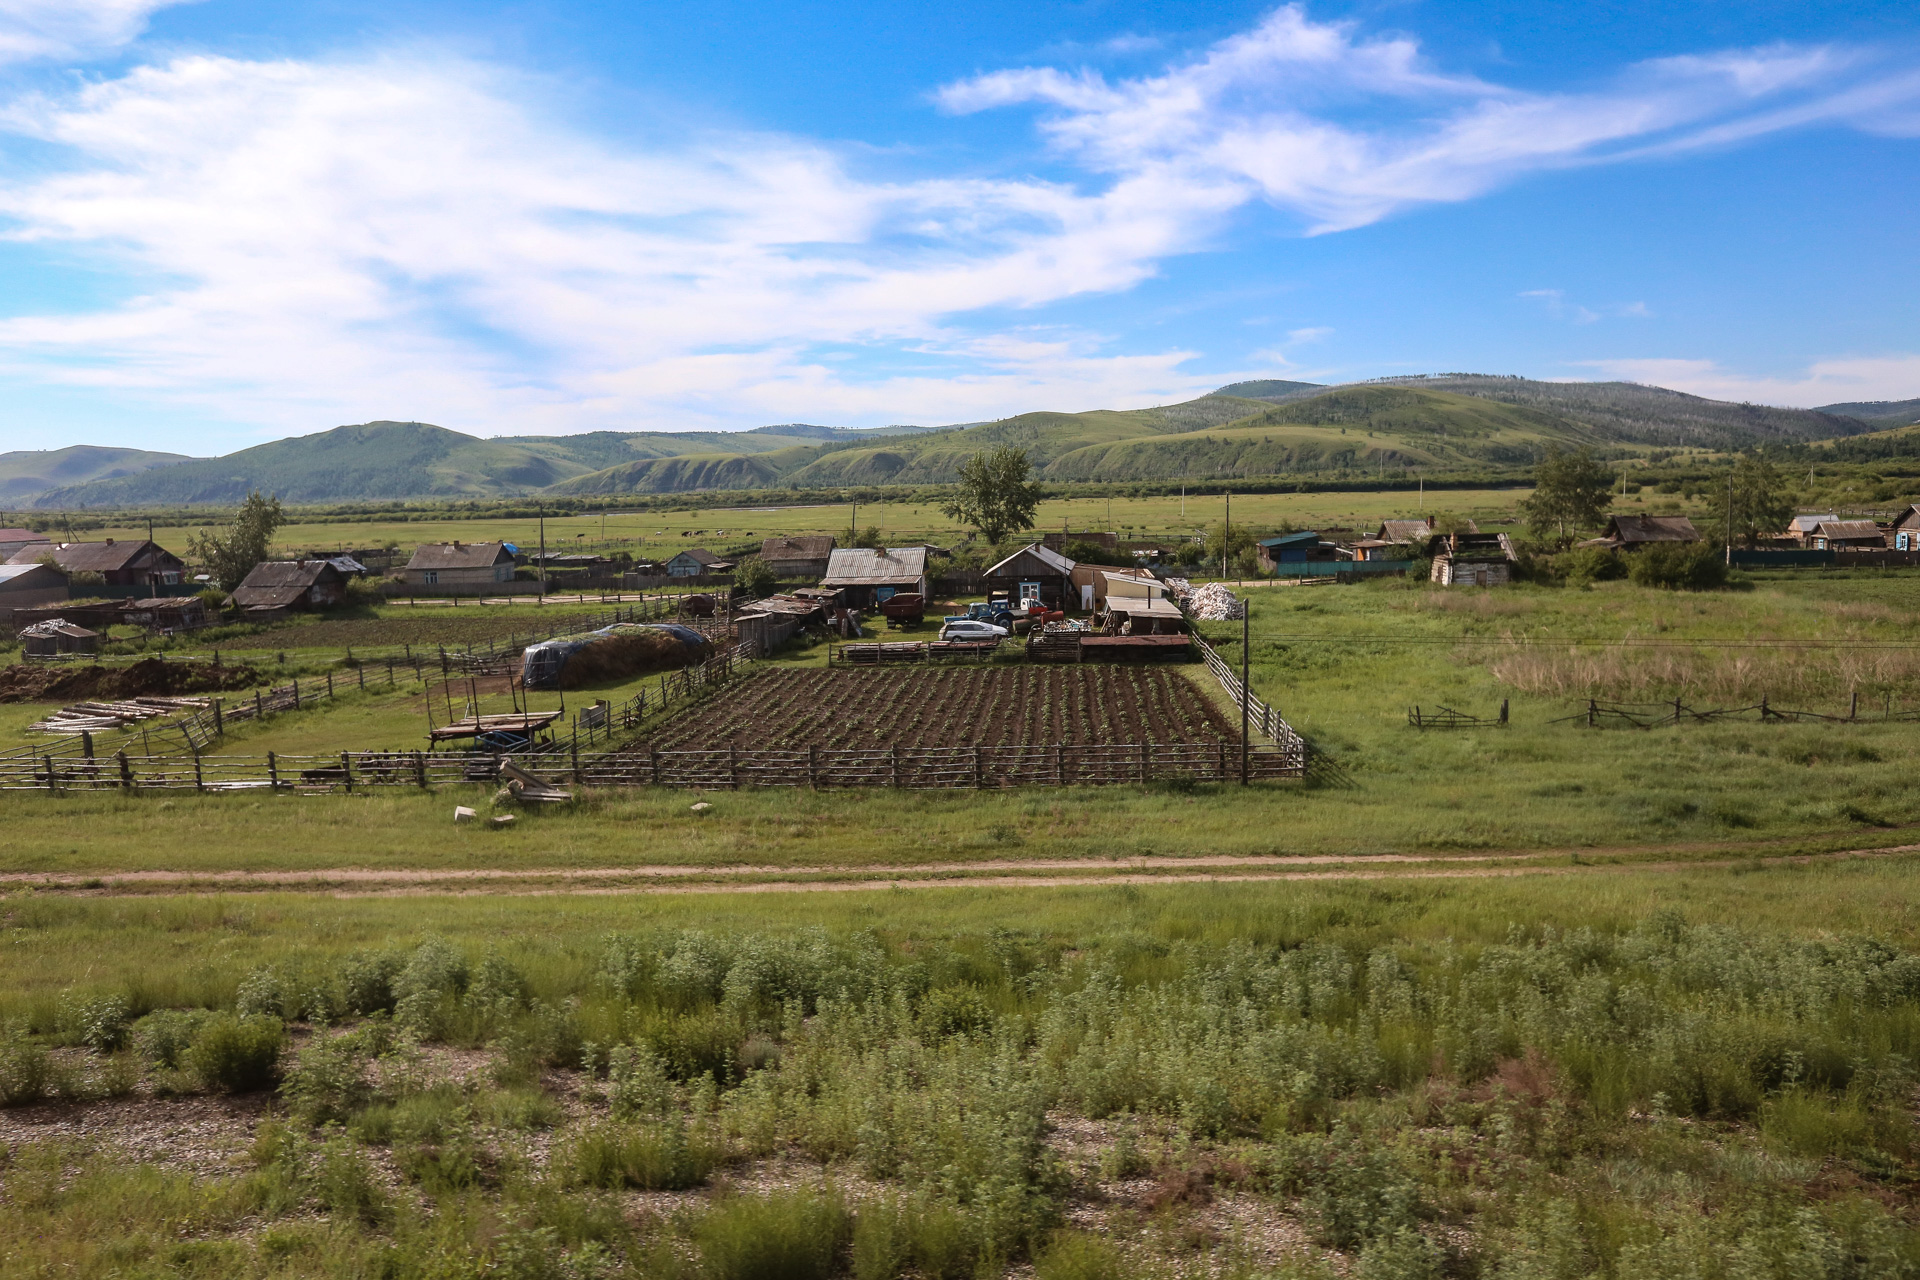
(1214, 603)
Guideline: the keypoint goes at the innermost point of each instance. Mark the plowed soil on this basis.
(149, 677)
(797, 708)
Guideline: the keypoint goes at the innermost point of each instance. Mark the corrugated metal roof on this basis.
(1054, 561)
(866, 567)
(8, 572)
(460, 555)
(1288, 539)
(1144, 606)
(58, 627)
(1848, 530)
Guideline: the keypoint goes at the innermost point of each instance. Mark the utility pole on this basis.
(1246, 693)
(543, 552)
(1226, 537)
(1729, 521)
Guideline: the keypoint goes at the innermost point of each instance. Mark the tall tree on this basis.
(231, 555)
(996, 494)
(1570, 491)
(1758, 497)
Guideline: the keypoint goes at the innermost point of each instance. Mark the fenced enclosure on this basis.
(1658, 715)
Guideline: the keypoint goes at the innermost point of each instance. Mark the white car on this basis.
(971, 630)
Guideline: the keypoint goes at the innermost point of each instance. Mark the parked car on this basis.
(967, 629)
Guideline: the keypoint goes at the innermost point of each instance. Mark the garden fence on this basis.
(1262, 716)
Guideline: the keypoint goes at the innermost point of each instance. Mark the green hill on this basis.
(1879, 414)
(28, 473)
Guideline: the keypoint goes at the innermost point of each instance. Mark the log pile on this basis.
(99, 717)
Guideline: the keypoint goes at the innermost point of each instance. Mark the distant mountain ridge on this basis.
(1257, 428)
(1880, 414)
(28, 473)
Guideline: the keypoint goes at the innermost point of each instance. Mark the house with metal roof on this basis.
(1303, 547)
(23, 586)
(1904, 532)
(864, 576)
(56, 637)
(801, 557)
(282, 586)
(460, 564)
(120, 562)
(1035, 572)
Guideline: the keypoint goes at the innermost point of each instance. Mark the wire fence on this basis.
(1656, 715)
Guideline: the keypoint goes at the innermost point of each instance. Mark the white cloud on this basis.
(1258, 114)
(71, 28)
(1837, 381)
(316, 242)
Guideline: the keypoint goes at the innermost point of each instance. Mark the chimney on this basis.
(109, 541)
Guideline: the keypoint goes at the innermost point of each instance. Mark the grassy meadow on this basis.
(1623, 1075)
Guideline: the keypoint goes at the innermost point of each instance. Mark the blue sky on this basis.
(225, 222)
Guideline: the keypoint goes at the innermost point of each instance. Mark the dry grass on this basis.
(1731, 675)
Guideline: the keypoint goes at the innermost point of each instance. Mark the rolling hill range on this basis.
(29, 473)
(1879, 414)
(1261, 428)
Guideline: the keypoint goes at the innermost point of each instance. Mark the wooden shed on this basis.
(695, 562)
(57, 637)
(865, 576)
(24, 586)
(800, 557)
(1035, 572)
(290, 586)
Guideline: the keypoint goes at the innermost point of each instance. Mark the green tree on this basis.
(231, 556)
(755, 577)
(870, 537)
(1693, 566)
(1761, 504)
(1570, 491)
(1235, 542)
(996, 493)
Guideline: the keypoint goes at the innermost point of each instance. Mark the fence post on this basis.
(733, 766)
(979, 777)
(329, 684)
(86, 745)
(53, 779)
(576, 762)
(273, 772)
(1853, 711)
(199, 781)
(1590, 713)
(346, 770)
(219, 721)
(259, 707)
(1144, 762)
(420, 769)
(813, 767)
(126, 772)
(361, 672)
(296, 693)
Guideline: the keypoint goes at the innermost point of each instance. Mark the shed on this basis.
(1848, 535)
(291, 585)
(695, 561)
(1035, 572)
(1303, 547)
(120, 562)
(1144, 616)
(802, 557)
(23, 586)
(57, 636)
(166, 613)
(865, 576)
(460, 564)
(1629, 533)
(1472, 559)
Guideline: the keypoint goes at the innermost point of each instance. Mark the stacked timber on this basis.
(98, 717)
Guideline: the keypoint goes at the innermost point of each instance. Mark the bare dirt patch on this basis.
(149, 677)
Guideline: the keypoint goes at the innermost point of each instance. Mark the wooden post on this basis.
(733, 766)
(1590, 712)
(893, 764)
(219, 720)
(53, 779)
(1223, 761)
(813, 767)
(1246, 661)
(126, 772)
(296, 693)
(420, 769)
(199, 781)
(1060, 765)
(979, 776)
(329, 684)
(259, 707)
(273, 772)
(361, 672)
(1853, 711)
(1145, 767)
(86, 745)
(346, 770)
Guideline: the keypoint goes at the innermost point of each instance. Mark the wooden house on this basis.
(283, 586)
(1630, 533)
(1303, 547)
(695, 561)
(120, 562)
(1849, 535)
(865, 576)
(1905, 530)
(1035, 572)
(460, 564)
(166, 613)
(801, 557)
(1472, 559)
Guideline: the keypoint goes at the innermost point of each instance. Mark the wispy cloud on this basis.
(1261, 114)
(1839, 380)
(72, 28)
(313, 241)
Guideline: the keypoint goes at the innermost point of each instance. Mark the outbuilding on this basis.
(801, 557)
(24, 586)
(1630, 533)
(1035, 572)
(865, 576)
(120, 562)
(56, 637)
(290, 586)
(460, 564)
(1472, 559)
(1304, 547)
(166, 613)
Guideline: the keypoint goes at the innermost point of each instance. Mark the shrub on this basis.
(327, 1080)
(792, 1236)
(101, 1023)
(237, 1054)
(162, 1037)
(1693, 566)
(1584, 565)
(26, 1074)
(666, 1156)
(931, 1238)
(1075, 1255)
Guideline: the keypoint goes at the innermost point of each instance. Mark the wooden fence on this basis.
(937, 768)
(1260, 715)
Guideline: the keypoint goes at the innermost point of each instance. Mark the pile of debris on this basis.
(1210, 603)
(99, 717)
(149, 677)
